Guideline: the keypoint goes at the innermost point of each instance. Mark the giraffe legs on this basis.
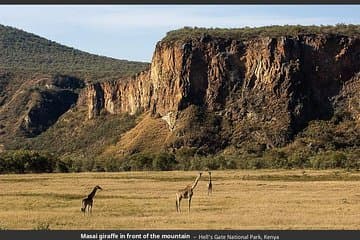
(178, 200)
(177, 205)
(86, 209)
(189, 203)
(87, 206)
(83, 206)
(90, 207)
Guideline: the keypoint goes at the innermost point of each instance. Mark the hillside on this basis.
(23, 51)
(211, 98)
(40, 80)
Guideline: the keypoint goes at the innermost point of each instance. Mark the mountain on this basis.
(40, 80)
(23, 51)
(253, 97)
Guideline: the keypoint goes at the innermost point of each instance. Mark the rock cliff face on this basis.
(264, 90)
(44, 110)
(30, 105)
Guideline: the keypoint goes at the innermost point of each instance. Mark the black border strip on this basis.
(133, 2)
(192, 235)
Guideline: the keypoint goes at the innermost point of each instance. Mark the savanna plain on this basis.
(251, 199)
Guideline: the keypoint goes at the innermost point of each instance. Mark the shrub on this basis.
(299, 159)
(164, 162)
(229, 163)
(73, 165)
(256, 163)
(276, 159)
(99, 166)
(25, 161)
(140, 161)
(184, 156)
(113, 165)
(88, 164)
(196, 163)
(61, 167)
(329, 159)
(213, 163)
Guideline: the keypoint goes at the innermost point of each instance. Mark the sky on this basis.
(131, 31)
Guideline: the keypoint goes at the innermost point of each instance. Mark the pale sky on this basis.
(131, 31)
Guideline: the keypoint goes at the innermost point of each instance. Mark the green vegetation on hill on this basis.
(23, 51)
(267, 31)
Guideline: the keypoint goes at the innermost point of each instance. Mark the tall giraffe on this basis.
(87, 203)
(209, 184)
(186, 193)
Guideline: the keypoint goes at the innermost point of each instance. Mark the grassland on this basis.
(266, 199)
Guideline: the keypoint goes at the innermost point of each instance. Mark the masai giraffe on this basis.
(87, 203)
(186, 193)
(209, 184)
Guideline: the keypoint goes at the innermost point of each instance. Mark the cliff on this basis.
(264, 90)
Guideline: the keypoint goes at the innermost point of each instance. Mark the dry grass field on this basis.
(266, 199)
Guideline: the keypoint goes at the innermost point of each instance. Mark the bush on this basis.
(329, 159)
(24, 161)
(255, 163)
(183, 157)
(88, 164)
(196, 163)
(61, 167)
(276, 159)
(228, 164)
(140, 161)
(299, 159)
(164, 162)
(211, 163)
(112, 165)
(99, 166)
(73, 165)
(214, 163)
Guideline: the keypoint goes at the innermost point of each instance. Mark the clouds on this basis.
(115, 29)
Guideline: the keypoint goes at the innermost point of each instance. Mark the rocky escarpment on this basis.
(52, 97)
(262, 91)
(28, 108)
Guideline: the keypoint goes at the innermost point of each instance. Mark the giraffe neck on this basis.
(92, 194)
(196, 181)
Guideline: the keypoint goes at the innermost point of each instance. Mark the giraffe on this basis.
(88, 202)
(186, 193)
(209, 184)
